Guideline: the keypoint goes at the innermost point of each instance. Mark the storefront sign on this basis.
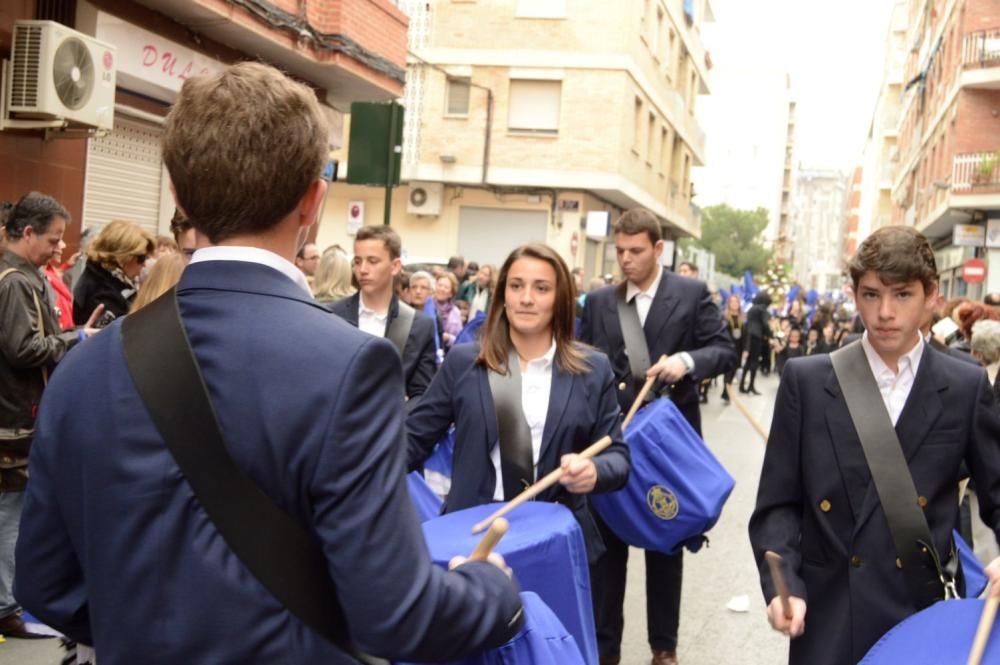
(151, 64)
(597, 223)
(969, 235)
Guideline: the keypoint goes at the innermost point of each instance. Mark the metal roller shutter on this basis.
(488, 235)
(124, 176)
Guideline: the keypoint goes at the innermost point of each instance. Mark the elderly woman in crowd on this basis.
(332, 281)
(114, 261)
(448, 314)
(986, 349)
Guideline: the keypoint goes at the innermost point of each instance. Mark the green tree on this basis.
(734, 236)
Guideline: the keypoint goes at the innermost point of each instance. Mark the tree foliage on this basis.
(734, 236)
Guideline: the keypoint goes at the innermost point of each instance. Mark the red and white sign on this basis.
(974, 271)
(574, 243)
(355, 216)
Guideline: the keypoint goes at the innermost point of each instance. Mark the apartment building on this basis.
(818, 229)
(750, 162)
(880, 161)
(345, 49)
(949, 141)
(541, 120)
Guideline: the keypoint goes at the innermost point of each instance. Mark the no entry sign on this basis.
(974, 271)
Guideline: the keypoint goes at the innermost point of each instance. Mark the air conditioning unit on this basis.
(425, 198)
(57, 73)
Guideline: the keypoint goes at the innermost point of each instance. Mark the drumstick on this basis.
(984, 630)
(540, 486)
(774, 562)
(646, 387)
(746, 412)
(490, 540)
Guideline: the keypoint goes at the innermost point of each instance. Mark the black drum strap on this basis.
(633, 335)
(281, 554)
(892, 478)
(517, 461)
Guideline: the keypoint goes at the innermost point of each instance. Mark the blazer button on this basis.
(825, 506)
(856, 561)
(922, 501)
(622, 386)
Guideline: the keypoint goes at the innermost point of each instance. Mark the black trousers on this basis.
(663, 595)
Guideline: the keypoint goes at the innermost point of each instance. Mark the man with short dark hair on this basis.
(687, 269)
(679, 321)
(377, 309)
(818, 504)
(31, 343)
(456, 266)
(307, 259)
(117, 551)
(184, 233)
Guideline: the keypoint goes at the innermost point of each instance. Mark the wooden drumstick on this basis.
(774, 562)
(490, 540)
(548, 481)
(746, 412)
(984, 630)
(646, 387)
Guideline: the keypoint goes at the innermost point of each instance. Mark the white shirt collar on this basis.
(253, 255)
(632, 290)
(909, 360)
(365, 309)
(545, 361)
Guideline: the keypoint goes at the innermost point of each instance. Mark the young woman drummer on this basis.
(567, 397)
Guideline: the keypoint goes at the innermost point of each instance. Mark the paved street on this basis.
(710, 633)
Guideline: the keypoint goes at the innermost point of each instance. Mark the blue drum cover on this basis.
(441, 457)
(972, 568)
(542, 641)
(676, 488)
(427, 503)
(545, 549)
(942, 634)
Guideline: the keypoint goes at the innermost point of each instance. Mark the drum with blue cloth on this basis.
(941, 634)
(437, 467)
(544, 547)
(427, 503)
(972, 568)
(542, 641)
(676, 488)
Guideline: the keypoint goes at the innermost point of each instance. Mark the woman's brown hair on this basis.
(495, 336)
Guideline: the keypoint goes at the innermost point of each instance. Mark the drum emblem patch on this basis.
(662, 502)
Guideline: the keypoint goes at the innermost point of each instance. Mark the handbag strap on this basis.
(891, 475)
(633, 335)
(281, 554)
(517, 460)
(398, 330)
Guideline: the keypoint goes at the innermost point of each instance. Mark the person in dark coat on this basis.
(114, 261)
(756, 332)
(817, 505)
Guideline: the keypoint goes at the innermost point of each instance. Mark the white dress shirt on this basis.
(369, 320)
(253, 255)
(536, 386)
(643, 303)
(894, 386)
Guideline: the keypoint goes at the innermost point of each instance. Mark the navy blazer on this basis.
(682, 317)
(116, 551)
(817, 507)
(419, 362)
(582, 409)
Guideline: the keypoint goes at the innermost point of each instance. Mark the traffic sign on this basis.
(974, 271)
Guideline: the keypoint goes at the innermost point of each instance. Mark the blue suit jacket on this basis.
(582, 409)
(419, 362)
(116, 551)
(682, 318)
(817, 507)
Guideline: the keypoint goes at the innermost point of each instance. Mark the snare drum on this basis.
(545, 549)
(942, 633)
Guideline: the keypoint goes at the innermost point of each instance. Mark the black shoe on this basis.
(753, 391)
(13, 626)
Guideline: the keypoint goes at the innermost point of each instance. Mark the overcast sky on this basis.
(834, 51)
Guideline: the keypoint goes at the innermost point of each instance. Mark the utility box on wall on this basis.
(376, 134)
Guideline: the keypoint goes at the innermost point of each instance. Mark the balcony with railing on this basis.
(981, 58)
(974, 173)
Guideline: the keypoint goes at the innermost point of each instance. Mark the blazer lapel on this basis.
(920, 413)
(489, 409)
(659, 312)
(846, 446)
(562, 386)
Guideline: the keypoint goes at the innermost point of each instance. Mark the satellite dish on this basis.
(73, 73)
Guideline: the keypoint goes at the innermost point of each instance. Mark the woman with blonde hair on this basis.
(164, 274)
(114, 261)
(332, 281)
(566, 396)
